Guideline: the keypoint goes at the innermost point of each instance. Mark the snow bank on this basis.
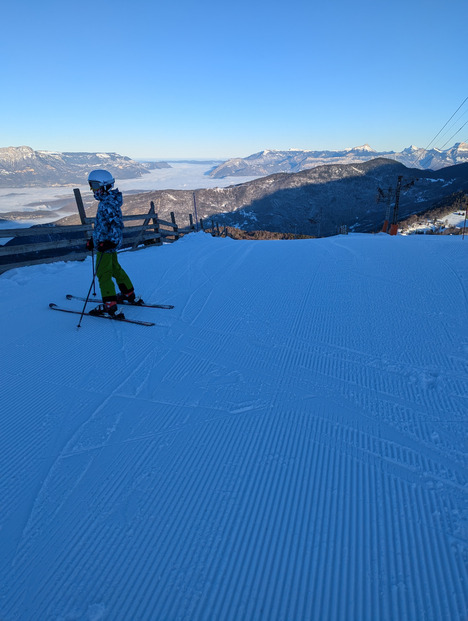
(287, 443)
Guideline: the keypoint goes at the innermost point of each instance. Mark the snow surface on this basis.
(289, 443)
(456, 219)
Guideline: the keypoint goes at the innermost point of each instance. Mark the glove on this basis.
(106, 245)
(90, 244)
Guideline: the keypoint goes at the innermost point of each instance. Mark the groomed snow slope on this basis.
(289, 443)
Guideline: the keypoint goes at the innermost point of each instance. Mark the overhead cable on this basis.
(418, 157)
(439, 132)
(454, 135)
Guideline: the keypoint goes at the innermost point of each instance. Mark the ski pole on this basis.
(89, 292)
(94, 272)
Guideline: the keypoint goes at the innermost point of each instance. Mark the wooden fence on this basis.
(67, 243)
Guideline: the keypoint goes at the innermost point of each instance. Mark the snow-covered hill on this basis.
(288, 443)
(269, 162)
(22, 167)
(316, 202)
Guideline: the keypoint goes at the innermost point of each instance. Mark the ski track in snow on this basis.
(288, 443)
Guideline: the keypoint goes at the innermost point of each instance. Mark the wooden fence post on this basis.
(195, 209)
(156, 226)
(151, 215)
(174, 226)
(79, 204)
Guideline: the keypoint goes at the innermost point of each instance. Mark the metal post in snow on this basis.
(394, 225)
(195, 209)
(466, 212)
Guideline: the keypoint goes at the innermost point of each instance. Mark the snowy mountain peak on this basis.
(364, 147)
(13, 154)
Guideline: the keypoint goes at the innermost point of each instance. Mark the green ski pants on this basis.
(107, 268)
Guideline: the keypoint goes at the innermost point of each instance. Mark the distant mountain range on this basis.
(311, 202)
(270, 162)
(24, 167)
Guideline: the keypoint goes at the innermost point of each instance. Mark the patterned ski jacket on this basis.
(108, 225)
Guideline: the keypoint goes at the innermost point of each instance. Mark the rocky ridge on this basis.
(295, 160)
(25, 167)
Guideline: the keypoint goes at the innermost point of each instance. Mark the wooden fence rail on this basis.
(67, 243)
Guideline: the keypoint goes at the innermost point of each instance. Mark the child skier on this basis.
(107, 237)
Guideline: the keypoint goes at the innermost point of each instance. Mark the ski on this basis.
(143, 305)
(76, 312)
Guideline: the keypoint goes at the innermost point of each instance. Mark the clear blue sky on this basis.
(214, 79)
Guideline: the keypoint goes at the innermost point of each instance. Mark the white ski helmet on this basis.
(100, 179)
